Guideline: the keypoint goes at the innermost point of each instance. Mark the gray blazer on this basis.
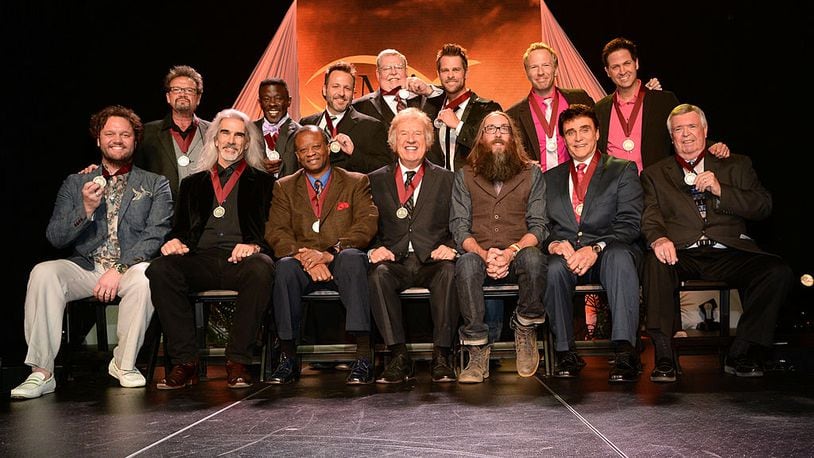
(144, 218)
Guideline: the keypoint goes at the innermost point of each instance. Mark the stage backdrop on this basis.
(496, 36)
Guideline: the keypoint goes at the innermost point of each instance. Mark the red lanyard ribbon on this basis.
(405, 192)
(221, 193)
(548, 127)
(627, 124)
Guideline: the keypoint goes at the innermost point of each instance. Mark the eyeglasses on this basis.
(183, 90)
(390, 68)
(504, 129)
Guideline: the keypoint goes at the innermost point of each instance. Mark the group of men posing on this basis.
(411, 185)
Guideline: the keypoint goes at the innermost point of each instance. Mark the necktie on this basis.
(448, 143)
(547, 103)
(318, 187)
(698, 196)
(409, 204)
(400, 104)
(575, 200)
(330, 126)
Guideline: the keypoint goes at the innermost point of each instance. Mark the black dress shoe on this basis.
(570, 364)
(181, 375)
(743, 366)
(626, 368)
(665, 371)
(400, 369)
(287, 371)
(441, 370)
(361, 373)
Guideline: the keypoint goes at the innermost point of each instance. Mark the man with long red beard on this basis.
(498, 221)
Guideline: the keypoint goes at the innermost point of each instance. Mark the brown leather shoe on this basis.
(181, 375)
(237, 376)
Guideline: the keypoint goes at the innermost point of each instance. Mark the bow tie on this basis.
(393, 91)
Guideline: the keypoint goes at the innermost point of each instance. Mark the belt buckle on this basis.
(706, 242)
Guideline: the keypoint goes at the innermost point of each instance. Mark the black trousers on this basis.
(763, 282)
(388, 279)
(349, 269)
(173, 278)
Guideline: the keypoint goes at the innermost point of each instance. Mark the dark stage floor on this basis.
(705, 413)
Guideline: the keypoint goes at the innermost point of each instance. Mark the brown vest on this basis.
(498, 220)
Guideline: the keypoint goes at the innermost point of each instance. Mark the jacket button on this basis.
(497, 216)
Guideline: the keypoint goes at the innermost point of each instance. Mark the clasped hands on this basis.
(315, 263)
(578, 261)
(498, 261)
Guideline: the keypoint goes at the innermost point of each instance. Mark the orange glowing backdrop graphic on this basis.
(495, 37)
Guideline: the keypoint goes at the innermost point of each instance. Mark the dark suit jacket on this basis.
(196, 202)
(373, 105)
(612, 209)
(156, 152)
(285, 146)
(475, 111)
(370, 150)
(520, 113)
(669, 210)
(656, 142)
(348, 214)
(429, 226)
(144, 218)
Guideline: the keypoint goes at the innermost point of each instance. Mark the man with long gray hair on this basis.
(217, 243)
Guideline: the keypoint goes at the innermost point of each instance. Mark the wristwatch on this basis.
(121, 268)
(597, 248)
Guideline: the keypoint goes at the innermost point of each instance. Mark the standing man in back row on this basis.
(277, 127)
(172, 146)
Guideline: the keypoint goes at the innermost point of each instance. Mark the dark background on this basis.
(739, 61)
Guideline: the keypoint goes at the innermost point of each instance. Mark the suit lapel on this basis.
(486, 185)
(167, 143)
(595, 185)
(559, 184)
(382, 107)
(429, 188)
(469, 106)
(332, 194)
(133, 182)
(528, 125)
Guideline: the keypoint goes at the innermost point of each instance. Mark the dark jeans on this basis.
(388, 279)
(528, 270)
(174, 277)
(349, 269)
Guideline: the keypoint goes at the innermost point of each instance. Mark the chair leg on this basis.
(101, 326)
(201, 318)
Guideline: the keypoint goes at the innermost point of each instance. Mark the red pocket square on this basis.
(342, 205)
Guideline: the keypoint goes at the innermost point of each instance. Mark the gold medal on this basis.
(401, 213)
(335, 147)
(272, 154)
(628, 144)
(578, 210)
(315, 226)
(183, 161)
(219, 211)
(100, 180)
(404, 94)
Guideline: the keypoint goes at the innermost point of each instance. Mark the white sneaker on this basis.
(129, 379)
(34, 386)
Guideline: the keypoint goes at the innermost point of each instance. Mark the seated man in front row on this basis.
(413, 246)
(217, 243)
(321, 218)
(594, 205)
(498, 220)
(696, 207)
(115, 219)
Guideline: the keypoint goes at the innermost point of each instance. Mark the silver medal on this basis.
(438, 123)
(690, 178)
(183, 161)
(272, 154)
(551, 144)
(628, 144)
(100, 180)
(401, 213)
(335, 147)
(219, 211)
(315, 226)
(404, 94)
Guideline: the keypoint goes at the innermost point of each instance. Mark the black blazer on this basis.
(370, 150)
(285, 146)
(612, 210)
(475, 111)
(196, 202)
(521, 115)
(373, 105)
(656, 141)
(429, 226)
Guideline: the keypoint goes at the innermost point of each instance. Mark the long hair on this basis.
(514, 148)
(254, 152)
